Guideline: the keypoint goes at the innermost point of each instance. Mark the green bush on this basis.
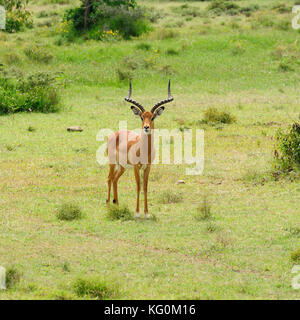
(287, 149)
(219, 7)
(13, 276)
(17, 16)
(95, 288)
(69, 211)
(119, 213)
(204, 211)
(125, 21)
(213, 115)
(35, 93)
(295, 256)
(144, 46)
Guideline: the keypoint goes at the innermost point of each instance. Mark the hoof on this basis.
(147, 216)
(137, 215)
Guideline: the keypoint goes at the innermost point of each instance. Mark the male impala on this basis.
(126, 148)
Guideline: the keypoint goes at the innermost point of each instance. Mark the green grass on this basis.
(245, 252)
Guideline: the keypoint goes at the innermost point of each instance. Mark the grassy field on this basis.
(248, 66)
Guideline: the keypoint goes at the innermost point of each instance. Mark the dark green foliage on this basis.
(119, 213)
(13, 276)
(172, 52)
(282, 8)
(119, 16)
(69, 211)
(17, 16)
(214, 116)
(287, 150)
(295, 256)
(94, 287)
(35, 93)
(204, 211)
(219, 7)
(144, 46)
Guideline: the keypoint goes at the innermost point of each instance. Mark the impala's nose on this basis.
(146, 128)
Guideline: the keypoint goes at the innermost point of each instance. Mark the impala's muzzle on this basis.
(147, 129)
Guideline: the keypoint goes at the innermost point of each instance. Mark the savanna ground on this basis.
(233, 63)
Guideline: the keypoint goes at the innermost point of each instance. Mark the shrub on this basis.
(128, 20)
(172, 52)
(31, 129)
(69, 211)
(119, 213)
(204, 211)
(35, 93)
(219, 6)
(187, 11)
(286, 65)
(287, 149)
(211, 227)
(295, 255)
(12, 58)
(17, 16)
(213, 115)
(284, 25)
(228, 7)
(144, 46)
(282, 8)
(124, 74)
(169, 196)
(13, 276)
(247, 11)
(35, 53)
(238, 47)
(95, 288)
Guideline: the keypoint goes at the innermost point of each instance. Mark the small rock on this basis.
(75, 128)
(180, 182)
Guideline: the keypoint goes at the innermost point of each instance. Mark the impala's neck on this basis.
(147, 146)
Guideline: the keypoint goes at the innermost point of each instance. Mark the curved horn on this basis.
(128, 99)
(160, 103)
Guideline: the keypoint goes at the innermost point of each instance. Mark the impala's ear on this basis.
(158, 112)
(136, 111)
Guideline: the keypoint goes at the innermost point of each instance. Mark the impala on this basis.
(126, 148)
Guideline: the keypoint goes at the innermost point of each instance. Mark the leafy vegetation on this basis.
(95, 288)
(287, 150)
(119, 213)
(13, 276)
(213, 116)
(204, 210)
(95, 18)
(17, 15)
(34, 93)
(295, 256)
(69, 211)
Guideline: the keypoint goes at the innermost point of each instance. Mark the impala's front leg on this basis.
(146, 176)
(138, 189)
(115, 183)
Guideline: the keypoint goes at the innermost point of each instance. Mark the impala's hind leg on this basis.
(117, 175)
(110, 179)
